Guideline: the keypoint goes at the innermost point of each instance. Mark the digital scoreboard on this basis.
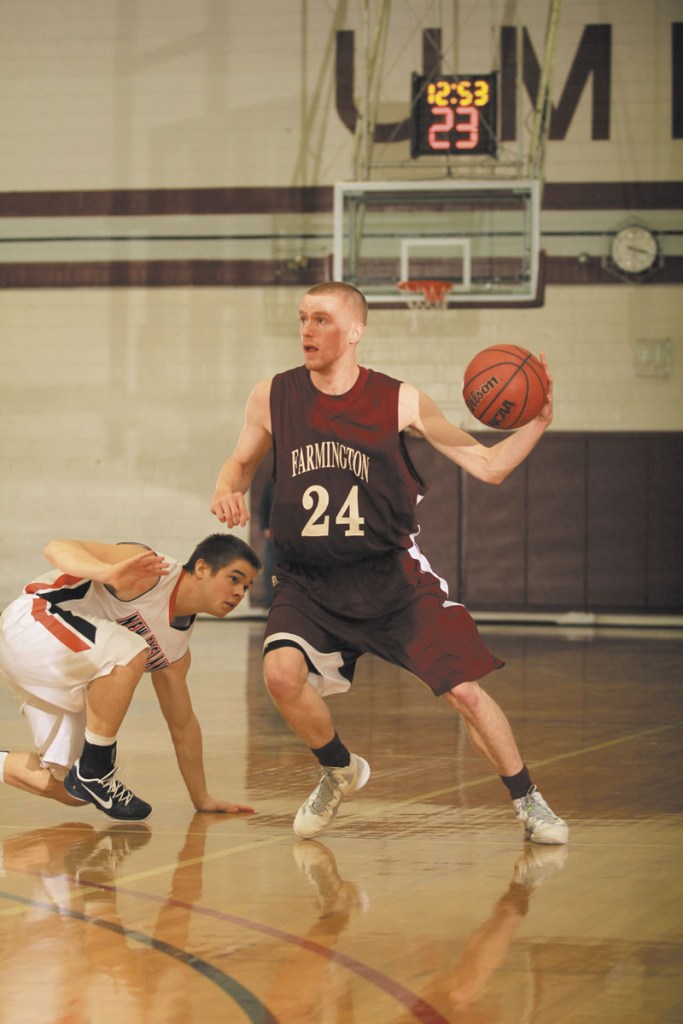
(454, 115)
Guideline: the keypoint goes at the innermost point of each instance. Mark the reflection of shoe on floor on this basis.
(44, 849)
(107, 794)
(335, 896)
(538, 863)
(541, 824)
(336, 784)
(96, 861)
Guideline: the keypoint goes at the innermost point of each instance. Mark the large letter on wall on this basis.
(593, 56)
(677, 80)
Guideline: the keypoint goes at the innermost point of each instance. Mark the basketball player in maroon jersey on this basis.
(351, 578)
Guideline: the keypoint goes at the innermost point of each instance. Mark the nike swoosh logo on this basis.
(103, 803)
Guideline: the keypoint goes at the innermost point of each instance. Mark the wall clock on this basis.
(634, 250)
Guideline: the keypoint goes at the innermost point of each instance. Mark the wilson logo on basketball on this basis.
(474, 398)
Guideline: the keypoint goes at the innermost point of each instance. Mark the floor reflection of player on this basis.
(85, 946)
(459, 989)
(487, 947)
(304, 983)
(54, 964)
(169, 998)
(73, 926)
(335, 895)
(465, 993)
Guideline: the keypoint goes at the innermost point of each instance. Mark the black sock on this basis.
(334, 754)
(96, 761)
(519, 784)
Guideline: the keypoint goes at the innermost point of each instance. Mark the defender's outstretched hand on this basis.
(213, 806)
(137, 572)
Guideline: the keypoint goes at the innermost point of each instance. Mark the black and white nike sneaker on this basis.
(107, 794)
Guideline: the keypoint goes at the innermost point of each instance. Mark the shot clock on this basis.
(454, 115)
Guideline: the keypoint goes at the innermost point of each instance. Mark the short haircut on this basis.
(353, 296)
(219, 550)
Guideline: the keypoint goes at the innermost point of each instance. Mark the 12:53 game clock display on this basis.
(454, 115)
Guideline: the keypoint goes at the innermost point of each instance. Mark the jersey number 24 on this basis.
(317, 498)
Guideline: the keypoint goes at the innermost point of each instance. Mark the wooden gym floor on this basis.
(422, 903)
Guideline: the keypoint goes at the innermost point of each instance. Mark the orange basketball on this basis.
(505, 386)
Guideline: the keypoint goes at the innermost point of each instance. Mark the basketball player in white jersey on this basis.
(75, 644)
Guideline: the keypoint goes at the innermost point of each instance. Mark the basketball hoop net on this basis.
(426, 294)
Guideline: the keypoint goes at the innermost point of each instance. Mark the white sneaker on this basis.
(541, 825)
(319, 811)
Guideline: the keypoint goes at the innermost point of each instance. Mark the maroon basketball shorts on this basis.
(392, 606)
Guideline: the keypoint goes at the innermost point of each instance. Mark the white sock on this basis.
(99, 741)
(3, 756)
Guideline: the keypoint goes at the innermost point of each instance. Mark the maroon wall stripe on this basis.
(264, 273)
(157, 201)
(603, 195)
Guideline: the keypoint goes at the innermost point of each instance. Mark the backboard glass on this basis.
(483, 236)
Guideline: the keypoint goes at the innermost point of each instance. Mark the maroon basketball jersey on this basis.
(345, 486)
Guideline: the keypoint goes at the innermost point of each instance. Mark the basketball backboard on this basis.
(483, 236)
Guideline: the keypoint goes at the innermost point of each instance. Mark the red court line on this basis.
(421, 1010)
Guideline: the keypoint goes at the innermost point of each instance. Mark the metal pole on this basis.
(541, 128)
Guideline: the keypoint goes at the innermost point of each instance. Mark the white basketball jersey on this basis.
(67, 605)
